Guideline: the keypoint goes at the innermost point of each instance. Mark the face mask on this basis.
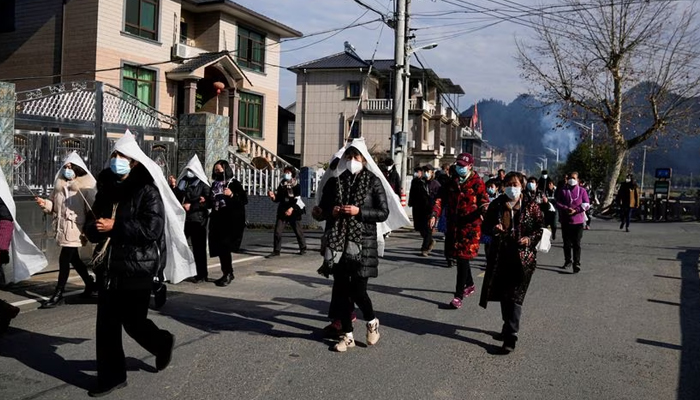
(531, 186)
(513, 192)
(573, 182)
(462, 171)
(68, 174)
(354, 166)
(544, 176)
(491, 191)
(219, 176)
(416, 175)
(287, 176)
(190, 174)
(427, 175)
(628, 180)
(119, 166)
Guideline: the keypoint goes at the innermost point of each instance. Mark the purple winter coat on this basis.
(572, 197)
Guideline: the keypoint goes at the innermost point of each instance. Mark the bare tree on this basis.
(600, 55)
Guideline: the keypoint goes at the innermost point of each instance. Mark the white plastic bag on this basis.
(545, 243)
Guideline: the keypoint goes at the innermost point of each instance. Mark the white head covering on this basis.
(75, 159)
(25, 258)
(397, 215)
(328, 175)
(180, 262)
(196, 167)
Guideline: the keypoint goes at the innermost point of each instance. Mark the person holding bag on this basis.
(290, 210)
(70, 203)
(514, 221)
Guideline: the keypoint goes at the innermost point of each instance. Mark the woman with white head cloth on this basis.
(69, 203)
(136, 215)
(193, 191)
(353, 204)
(19, 257)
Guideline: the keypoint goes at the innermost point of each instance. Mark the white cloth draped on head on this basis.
(75, 159)
(196, 167)
(180, 262)
(25, 258)
(328, 174)
(397, 215)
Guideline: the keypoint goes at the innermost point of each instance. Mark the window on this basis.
(183, 32)
(140, 83)
(251, 50)
(353, 129)
(7, 16)
(142, 18)
(250, 114)
(353, 90)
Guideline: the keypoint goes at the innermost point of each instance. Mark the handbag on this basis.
(545, 243)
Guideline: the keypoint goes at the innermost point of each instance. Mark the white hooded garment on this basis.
(397, 215)
(180, 262)
(196, 167)
(25, 258)
(75, 159)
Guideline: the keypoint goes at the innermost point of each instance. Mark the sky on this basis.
(481, 61)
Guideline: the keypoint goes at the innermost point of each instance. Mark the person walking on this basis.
(227, 219)
(69, 203)
(392, 176)
(194, 193)
(465, 200)
(289, 211)
(627, 200)
(353, 204)
(514, 221)
(421, 200)
(544, 181)
(139, 225)
(550, 215)
(572, 203)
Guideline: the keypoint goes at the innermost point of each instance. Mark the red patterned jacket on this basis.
(465, 204)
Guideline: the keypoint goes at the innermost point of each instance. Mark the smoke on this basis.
(557, 136)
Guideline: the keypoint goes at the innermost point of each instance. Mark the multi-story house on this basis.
(338, 97)
(177, 56)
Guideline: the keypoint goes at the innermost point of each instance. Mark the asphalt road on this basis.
(626, 327)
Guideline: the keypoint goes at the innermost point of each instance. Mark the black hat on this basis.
(388, 162)
(428, 167)
(544, 172)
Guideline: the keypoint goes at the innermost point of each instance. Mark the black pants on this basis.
(68, 256)
(296, 227)
(351, 289)
(550, 219)
(127, 308)
(625, 217)
(572, 234)
(511, 313)
(427, 235)
(464, 277)
(226, 262)
(197, 233)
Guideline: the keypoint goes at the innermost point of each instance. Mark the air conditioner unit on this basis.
(179, 51)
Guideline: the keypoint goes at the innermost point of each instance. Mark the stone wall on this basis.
(203, 134)
(7, 129)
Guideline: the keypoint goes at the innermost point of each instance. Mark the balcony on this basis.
(387, 105)
(186, 48)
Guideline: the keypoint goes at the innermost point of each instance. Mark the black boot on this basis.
(225, 280)
(55, 300)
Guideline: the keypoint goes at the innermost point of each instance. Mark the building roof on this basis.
(190, 67)
(236, 9)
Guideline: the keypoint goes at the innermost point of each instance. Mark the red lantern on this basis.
(219, 86)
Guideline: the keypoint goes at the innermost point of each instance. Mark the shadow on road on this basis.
(688, 382)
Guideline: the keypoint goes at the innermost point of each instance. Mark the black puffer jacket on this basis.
(137, 249)
(192, 193)
(375, 209)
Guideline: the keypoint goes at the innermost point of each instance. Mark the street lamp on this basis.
(553, 151)
(586, 127)
(544, 162)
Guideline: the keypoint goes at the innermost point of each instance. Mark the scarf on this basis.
(217, 189)
(346, 233)
(289, 185)
(509, 215)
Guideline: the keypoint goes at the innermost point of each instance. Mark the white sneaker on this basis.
(373, 332)
(346, 342)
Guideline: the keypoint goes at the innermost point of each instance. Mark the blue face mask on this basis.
(287, 176)
(68, 174)
(119, 166)
(531, 186)
(491, 191)
(462, 171)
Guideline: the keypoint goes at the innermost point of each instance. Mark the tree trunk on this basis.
(609, 196)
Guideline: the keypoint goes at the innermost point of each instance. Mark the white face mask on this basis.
(353, 166)
(287, 176)
(544, 176)
(531, 186)
(189, 174)
(513, 192)
(628, 180)
(573, 182)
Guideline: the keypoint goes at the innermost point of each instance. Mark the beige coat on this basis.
(70, 209)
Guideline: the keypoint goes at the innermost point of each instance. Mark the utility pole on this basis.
(644, 164)
(516, 162)
(399, 71)
(406, 77)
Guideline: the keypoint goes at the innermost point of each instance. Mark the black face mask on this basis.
(219, 176)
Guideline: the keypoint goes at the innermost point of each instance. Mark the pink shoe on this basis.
(469, 290)
(456, 303)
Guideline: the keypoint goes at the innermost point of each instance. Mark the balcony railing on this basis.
(388, 104)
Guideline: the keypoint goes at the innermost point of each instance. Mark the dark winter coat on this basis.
(227, 224)
(375, 209)
(422, 200)
(628, 195)
(287, 201)
(192, 194)
(509, 265)
(394, 181)
(465, 204)
(137, 249)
